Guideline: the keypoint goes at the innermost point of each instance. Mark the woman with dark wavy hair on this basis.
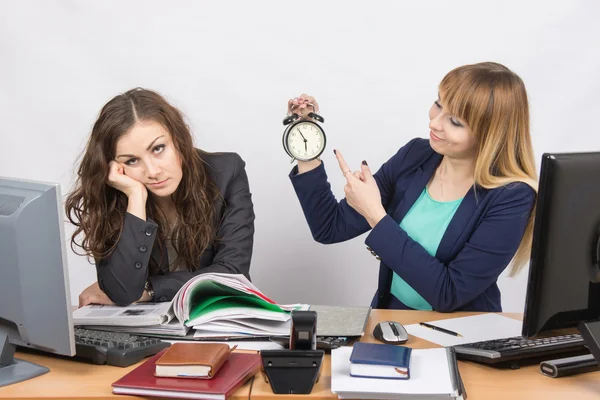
(154, 211)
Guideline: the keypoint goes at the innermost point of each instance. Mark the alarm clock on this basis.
(304, 139)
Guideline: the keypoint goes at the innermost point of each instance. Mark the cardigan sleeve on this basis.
(485, 255)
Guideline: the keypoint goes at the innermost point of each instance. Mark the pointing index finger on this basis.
(343, 166)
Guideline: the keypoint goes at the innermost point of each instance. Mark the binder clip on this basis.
(295, 371)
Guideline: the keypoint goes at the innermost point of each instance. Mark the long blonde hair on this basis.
(493, 101)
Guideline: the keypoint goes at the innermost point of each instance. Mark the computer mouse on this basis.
(390, 332)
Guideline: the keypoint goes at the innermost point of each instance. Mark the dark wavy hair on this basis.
(97, 209)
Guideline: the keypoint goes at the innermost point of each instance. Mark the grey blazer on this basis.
(123, 274)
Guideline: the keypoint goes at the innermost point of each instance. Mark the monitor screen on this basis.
(35, 300)
(563, 287)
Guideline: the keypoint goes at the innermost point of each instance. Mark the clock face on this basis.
(305, 141)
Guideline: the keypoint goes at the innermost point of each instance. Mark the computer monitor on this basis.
(35, 304)
(563, 289)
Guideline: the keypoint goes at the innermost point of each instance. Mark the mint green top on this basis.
(425, 223)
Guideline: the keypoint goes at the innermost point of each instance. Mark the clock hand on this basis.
(298, 129)
(305, 148)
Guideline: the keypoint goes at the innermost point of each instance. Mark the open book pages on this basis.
(172, 329)
(139, 314)
(226, 303)
(203, 296)
(223, 305)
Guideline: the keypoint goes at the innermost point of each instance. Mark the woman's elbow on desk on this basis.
(123, 296)
(124, 299)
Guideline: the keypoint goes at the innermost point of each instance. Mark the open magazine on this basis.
(215, 305)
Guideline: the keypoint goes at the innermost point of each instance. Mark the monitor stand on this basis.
(13, 370)
(590, 332)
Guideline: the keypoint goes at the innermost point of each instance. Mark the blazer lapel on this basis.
(464, 214)
(420, 179)
(462, 217)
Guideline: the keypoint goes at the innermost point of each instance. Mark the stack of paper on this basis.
(431, 377)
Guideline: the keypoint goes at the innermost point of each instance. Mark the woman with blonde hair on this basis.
(447, 215)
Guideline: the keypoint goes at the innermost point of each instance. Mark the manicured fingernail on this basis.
(334, 152)
(365, 163)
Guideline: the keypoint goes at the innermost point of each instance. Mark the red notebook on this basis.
(141, 381)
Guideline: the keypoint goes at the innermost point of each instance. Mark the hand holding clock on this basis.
(304, 138)
(362, 192)
(303, 105)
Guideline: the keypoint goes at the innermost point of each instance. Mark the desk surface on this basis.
(481, 382)
(72, 380)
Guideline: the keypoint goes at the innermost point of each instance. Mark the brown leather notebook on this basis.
(192, 360)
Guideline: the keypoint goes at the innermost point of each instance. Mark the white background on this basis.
(231, 66)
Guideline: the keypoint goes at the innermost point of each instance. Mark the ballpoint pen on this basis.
(437, 328)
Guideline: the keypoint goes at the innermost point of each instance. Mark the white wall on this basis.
(231, 66)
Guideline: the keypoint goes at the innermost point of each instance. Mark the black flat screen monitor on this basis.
(563, 287)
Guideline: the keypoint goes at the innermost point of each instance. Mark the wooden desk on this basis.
(76, 380)
(71, 380)
(481, 382)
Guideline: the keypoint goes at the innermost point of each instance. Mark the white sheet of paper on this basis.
(241, 344)
(475, 328)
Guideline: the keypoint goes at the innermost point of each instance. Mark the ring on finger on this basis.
(346, 172)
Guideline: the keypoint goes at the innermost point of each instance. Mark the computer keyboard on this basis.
(516, 350)
(114, 348)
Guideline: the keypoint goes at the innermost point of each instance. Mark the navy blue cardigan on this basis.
(478, 244)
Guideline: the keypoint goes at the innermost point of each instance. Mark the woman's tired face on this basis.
(148, 155)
